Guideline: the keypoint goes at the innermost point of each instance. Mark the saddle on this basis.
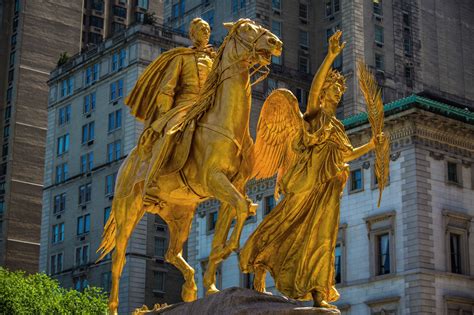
(180, 148)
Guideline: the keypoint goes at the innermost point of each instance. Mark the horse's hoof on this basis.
(189, 292)
(113, 308)
(212, 290)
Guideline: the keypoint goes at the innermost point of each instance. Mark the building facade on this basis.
(409, 44)
(104, 18)
(413, 255)
(90, 132)
(33, 34)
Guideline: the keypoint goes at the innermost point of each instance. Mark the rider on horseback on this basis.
(168, 89)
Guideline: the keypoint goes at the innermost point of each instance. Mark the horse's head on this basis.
(258, 44)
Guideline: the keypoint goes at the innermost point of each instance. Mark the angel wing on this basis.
(280, 121)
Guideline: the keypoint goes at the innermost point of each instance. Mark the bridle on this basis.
(251, 46)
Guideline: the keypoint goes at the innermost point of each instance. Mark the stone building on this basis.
(413, 255)
(32, 36)
(90, 132)
(414, 46)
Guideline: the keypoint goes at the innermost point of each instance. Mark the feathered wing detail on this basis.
(280, 121)
(373, 98)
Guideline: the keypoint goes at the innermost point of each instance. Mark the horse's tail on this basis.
(108, 237)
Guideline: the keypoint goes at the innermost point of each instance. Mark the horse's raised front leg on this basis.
(179, 220)
(221, 188)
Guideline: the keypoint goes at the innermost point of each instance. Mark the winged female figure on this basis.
(309, 152)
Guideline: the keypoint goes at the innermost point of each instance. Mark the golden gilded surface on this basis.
(310, 152)
(196, 145)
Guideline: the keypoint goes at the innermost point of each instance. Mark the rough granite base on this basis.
(234, 301)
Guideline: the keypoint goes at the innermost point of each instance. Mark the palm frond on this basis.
(373, 97)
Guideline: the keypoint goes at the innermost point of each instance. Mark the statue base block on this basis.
(234, 301)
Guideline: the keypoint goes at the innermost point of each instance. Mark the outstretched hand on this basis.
(335, 47)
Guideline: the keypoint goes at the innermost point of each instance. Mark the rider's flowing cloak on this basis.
(143, 96)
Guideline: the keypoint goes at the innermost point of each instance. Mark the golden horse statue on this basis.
(217, 163)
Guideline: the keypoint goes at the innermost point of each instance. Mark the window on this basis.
(159, 281)
(304, 39)
(211, 221)
(87, 162)
(83, 224)
(328, 7)
(82, 255)
(338, 263)
(9, 94)
(62, 144)
(59, 203)
(175, 11)
(67, 87)
(120, 12)
(453, 171)
(11, 75)
(110, 184)
(95, 38)
(12, 59)
(96, 21)
(56, 263)
(89, 103)
(381, 229)
(356, 182)
(276, 5)
(92, 74)
(13, 40)
(377, 4)
(458, 305)
(88, 132)
(64, 115)
(8, 112)
(62, 173)
(235, 6)
(409, 76)
(5, 150)
(80, 283)
(276, 29)
(143, 4)
(2, 207)
(116, 89)
(17, 6)
(303, 11)
(384, 306)
(302, 96)
(379, 62)
(337, 64)
(85, 193)
(379, 39)
(57, 233)
(303, 64)
(115, 120)
(269, 204)
(6, 131)
(114, 151)
(407, 47)
(98, 5)
(122, 56)
(106, 281)
(160, 246)
(106, 214)
(383, 254)
(247, 280)
(457, 226)
(115, 62)
(3, 169)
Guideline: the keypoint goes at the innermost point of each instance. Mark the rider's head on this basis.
(199, 32)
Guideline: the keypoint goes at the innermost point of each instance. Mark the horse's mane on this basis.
(207, 95)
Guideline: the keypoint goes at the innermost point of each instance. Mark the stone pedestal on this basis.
(235, 301)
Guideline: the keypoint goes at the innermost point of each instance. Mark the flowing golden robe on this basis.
(296, 241)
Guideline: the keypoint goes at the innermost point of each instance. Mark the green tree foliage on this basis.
(39, 294)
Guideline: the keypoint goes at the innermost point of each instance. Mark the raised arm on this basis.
(334, 50)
